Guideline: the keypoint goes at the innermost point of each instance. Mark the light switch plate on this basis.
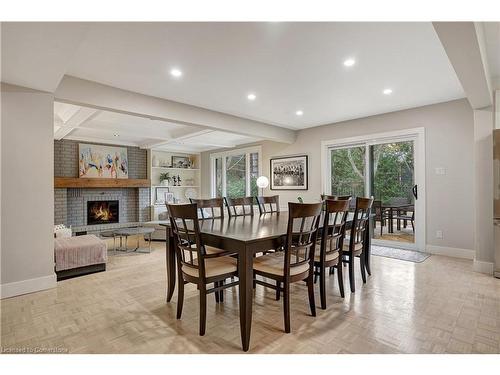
(440, 170)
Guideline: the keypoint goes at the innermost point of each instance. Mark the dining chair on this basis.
(194, 264)
(329, 248)
(406, 214)
(268, 204)
(354, 248)
(380, 215)
(214, 205)
(296, 262)
(336, 197)
(239, 206)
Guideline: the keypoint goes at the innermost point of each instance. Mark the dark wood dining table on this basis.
(245, 235)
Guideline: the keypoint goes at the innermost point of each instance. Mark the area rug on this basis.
(407, 255)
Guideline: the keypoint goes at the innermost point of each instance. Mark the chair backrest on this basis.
(336, 197)
(215, 207)
(334, 226)
(266, 204)
(377, 206)
(360, 221)
(185, 227)
(240, 206)
(301, 237)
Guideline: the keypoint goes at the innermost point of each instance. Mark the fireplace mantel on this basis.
(70, 182)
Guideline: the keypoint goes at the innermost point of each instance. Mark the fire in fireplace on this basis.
(102, 212)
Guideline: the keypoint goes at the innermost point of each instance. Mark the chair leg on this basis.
(316, 270)
(278, 293)
(203, 309)
(341, 279)
(286, 306)
(332, 270)
(310, 292)
(351, 274)
(322, 287)
(221, 292)
(216, 294)
(362, 266)
(180, 295)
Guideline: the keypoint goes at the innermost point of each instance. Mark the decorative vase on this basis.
(165, 183)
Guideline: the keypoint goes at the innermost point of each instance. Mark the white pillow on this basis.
(63, 233)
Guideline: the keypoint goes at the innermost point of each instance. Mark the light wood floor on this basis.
(438, 306)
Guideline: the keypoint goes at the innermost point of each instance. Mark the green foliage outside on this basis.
(393, 171)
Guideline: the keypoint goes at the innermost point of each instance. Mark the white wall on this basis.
(27, 201)
(449, 130)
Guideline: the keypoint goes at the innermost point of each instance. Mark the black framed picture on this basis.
(289, 173)
(180, 162)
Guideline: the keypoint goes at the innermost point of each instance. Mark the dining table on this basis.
(246, 236)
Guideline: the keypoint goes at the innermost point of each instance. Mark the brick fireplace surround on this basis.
(70, 204)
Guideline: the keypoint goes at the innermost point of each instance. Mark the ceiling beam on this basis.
(464, 45)
(77, 119)
(87, 93)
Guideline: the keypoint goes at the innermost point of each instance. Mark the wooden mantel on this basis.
(70, 182)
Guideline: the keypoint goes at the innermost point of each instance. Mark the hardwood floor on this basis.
(438, 306)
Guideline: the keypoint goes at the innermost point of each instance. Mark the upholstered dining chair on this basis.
(296, 262)
(329, 248)
(194, 264)
(268, 204)
(239, 206)
(215, 206)
(354, 247)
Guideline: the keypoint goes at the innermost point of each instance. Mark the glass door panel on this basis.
(392, 182)
(348, 172)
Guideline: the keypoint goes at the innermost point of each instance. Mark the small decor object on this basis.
(165, 178)
(96, 161)
(262, 182)
(178, 180)
(180, 162)
(189, 181)
(300, 199)
(289, 173)
(160, 194)
(169, 198)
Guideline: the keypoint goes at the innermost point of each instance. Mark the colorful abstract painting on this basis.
(97, 161)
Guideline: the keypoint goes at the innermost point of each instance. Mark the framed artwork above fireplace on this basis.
(98, 161)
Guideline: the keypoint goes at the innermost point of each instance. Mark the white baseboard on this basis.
(483, 267)
(27, 286)
(451, 251)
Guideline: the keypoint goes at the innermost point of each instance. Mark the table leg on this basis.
(245, 267)
(368, 246)
(170, 255)
(149, 242)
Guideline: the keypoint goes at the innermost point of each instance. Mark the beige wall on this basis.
(449, 133)
(27, 201)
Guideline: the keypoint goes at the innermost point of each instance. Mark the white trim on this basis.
(454, 252)
(28, 286)
(415, 134)
(483, 267)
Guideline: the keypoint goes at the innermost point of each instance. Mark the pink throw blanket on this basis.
(79, 251)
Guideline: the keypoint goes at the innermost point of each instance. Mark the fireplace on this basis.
(102, 212)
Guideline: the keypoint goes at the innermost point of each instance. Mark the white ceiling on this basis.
(86, 124)
(289, 66)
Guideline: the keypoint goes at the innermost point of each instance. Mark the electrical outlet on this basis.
(440, 170)
(439, 234)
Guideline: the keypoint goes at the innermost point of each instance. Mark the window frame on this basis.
(238, 151)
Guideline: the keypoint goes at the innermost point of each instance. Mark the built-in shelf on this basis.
(177, 169)
(72, 182)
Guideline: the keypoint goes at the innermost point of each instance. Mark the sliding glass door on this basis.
(384, 168)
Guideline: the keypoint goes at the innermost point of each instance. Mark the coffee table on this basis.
(125, 233)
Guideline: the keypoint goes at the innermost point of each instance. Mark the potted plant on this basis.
(165, 178)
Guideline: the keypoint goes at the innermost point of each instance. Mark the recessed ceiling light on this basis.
(349, 62)
(251, 97)
(387, 91)
(176, 72)
(116, 135)
(299, 113)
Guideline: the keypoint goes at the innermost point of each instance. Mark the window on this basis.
(234, 173)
